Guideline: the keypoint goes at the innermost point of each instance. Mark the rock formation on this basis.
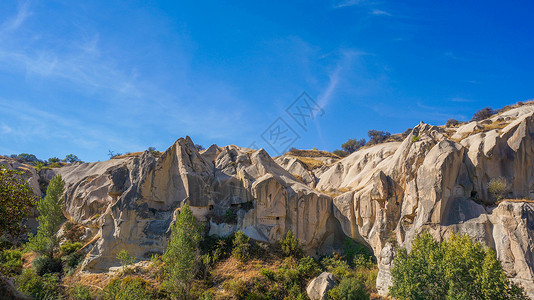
(319, 286)
(435, 180)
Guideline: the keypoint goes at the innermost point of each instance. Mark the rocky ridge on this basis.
(382, 195)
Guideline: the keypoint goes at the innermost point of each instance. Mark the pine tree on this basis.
(182, 257)
(50, 218)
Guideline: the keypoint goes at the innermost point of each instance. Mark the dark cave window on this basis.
(473, 194)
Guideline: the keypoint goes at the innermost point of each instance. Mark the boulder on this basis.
(319, 286)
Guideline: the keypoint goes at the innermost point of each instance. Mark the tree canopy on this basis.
(16, 197)
(454, 269)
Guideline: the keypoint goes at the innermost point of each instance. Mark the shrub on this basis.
(415, 138)
(483, 114)
(241, 250)
(350, 288)
(236, 287)
(124, 257)
(70, 247)
(308, 267)
(80, 292)
(45, 264)
(336, 266)
(53, 160)
(498, 188)
(452, 123)
(10, 262)
(16, 198)
(45, 287)
(290, 245)
(340, 153)
(230, 216)
(127, 289)
(377, 136)
(71, 158)
(352, 145)
(356, 253)
(455, 269)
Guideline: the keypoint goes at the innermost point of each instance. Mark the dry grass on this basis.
(312, 153)
(515, 201)
(310, 163)
(233, 269)
(498, 125)
(133, 154)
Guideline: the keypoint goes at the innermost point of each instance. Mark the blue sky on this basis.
(85, 78)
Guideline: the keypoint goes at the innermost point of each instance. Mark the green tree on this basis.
(241, 250)
(16, 197)
(350, 288)
(71, 158)
(455, 269)
(353, 145)
(182, 257)
(290, 245)
(50, 218)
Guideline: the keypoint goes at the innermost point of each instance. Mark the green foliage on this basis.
(16, 197)
(308, 267)
(352, 145)
(350, 288)
(290, 245)
(127, 289)
(45, 264)
(53, 160)
(10, 262)
(241, 250)
(377, 136)
(182, 257)
(80, 292)
(25, 157)
(124, 257)
(498, 187)
(341, 153)
(455, 269)
(39, 165)
(70, 247)
(357, 255)
(337, 266)
(50, 219)
(483, 114)
(230, 216)
(415, 138)
(38, 287)
(71, 158)
(452, 123)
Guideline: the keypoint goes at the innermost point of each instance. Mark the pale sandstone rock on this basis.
(319, 286)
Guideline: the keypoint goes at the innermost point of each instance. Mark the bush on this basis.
(415, 138)
(483, 114)
(127, 289)
(45, 264)
(241, 250)
(10, 262)
(124, 257)
(80, 292)
(498, 188)
(350, 288)
(45, 287)
(352, 145)
(455, 269)
(341, 153)
(290, 245)
(69, 247)
(356, 253)
(336, 266)
(452, 123)
(377, 136)
(308, 267)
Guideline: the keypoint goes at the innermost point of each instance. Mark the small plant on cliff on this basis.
(415, 138)
(498, 188)
(182, 256)
(455, 269)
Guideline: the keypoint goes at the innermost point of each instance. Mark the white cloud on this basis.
(347, 3)
(378, 12)
(16, 21)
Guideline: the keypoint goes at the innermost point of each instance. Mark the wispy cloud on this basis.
(378, 12)
(16, 21)
(347, 3)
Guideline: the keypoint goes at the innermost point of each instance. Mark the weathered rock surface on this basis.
(319, 286)
(382, 195)
(130, 203)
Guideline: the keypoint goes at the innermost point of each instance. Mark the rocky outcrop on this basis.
(434, 180)
(130, 203)
(436, 183)
(319, 286)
